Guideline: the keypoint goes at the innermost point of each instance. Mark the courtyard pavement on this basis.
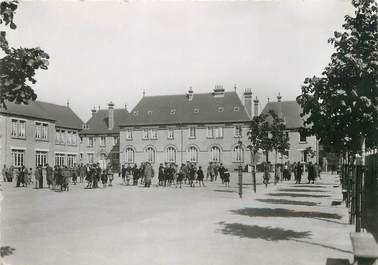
(283, 224)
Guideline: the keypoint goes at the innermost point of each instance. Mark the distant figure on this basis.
(200, 177)
(49, 176)
(123, 174)
(311, 173)
(39, 175)
(148, 175)
(299, 170)
(4, 173)
(226, 178)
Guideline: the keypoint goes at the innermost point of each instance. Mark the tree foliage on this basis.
(266, 135)
(18, 66)
(341, 106)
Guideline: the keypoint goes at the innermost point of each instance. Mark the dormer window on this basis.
(136, 112)
(149, 112)
(236, 108)
(196, 110)
(220, 109)
(173, 111)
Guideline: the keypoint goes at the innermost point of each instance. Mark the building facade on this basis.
(190, 127)
(39, 133)
(302, 148)
(99, 138)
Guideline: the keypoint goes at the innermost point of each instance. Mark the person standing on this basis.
(226, 178)
(4, 173)
(161, 175)
(148, 175)
(49, 176)
(123, 174)
(299, 171)
(110, 173)
(200, 176)
(221, 172)
(39, 175)
(311, 173)
(10, 173)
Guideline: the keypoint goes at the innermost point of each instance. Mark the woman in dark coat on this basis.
(200, 176)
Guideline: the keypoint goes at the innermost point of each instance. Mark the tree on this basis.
(280, 141)
(258, 134)
(18, 66)
(341, 106)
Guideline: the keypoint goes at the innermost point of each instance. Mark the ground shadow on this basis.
(259, 232)
(298, 195)
(6, 251)
(322, 245)
(282, 201)
(301, 190)
(230, 191)
(308, 186)
(331, 261)
(279, 212)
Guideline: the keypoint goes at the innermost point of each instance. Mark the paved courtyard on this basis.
(283, 224)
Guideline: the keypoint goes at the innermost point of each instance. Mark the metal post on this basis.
(254, 178)
(240, 174)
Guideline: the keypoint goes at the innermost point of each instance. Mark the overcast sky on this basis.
(111, 51)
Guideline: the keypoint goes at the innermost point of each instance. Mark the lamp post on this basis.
(240, 174)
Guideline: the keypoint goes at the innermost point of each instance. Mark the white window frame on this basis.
(129, 155)
(150, 154)
(192, 132)
(171, 154)
(218, 132)
(102, 140)
(115, 140)
(38, 130)
(193, 154)
(90, 141)
(14, 128)
(44, 131)
(90, 157)
(145, 134)
(41, 158)
(153, 133)
(171, 133)
(215, 154)
(129, 134)
(18, 157)
(60, 159)
(238, 154)
(210, 132)
(238, 131)
(22, 128)
(71, 160)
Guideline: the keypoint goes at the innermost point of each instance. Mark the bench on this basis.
(365, 249)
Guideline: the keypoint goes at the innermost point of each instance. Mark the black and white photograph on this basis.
(185, 132)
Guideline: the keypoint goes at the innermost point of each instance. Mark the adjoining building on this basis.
(38, 133)
(188, 127)
(99, 138)
(302, 148)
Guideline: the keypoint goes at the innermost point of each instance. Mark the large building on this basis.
(188, 127)
(99, 139)
(38, 133)
(302, 148)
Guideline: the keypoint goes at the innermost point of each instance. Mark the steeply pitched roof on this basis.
(289, 110)
(62, 115)
(178, 109)
(98, 123)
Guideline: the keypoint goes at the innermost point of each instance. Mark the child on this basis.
(226, 178)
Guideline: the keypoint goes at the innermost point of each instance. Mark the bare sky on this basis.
(111, 51)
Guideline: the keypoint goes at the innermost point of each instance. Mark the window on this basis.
(171, 155)
(145, 134)
(210, 132)
(59, 159)
(215, 154)
(304, 156)
(38, 130)
(193, 154)
(218, 132)
(74, 138)
(81, 156)
(192, 132)
(238, 154)
(115, 140)
(153, 134)
(81, 139)
(14, 128)
(173, 111)
(302, 137)
(40, 158)
(102, 140)
(149, 112)
(71, 160)
(18, 157)
(69, 138)
(62, 137)
(171, 133)
(150, 155)
(196, 110)
(90, 141)
(45, 130)
(129, 134)
(136, 112)
(236, 108)
(238, 131)
(129, 155)
(22, 128)
(220, 109)
(90, 158)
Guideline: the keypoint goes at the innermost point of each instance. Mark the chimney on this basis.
(256, 107)
(93, 110)
(110, 115)
(218, 91)
(68, 103)
(279, 106)
(189, 94)
(248, 101)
